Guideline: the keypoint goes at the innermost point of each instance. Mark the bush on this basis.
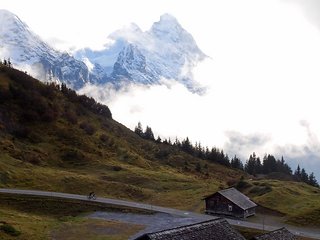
(71, 116)
(260, 190)
(116, 168)
(73, 156)
(104, 138)
(49, 115)
(5, 95)
(20, 131)
(88, 128)
(162, 154)
(10, 230)
(243, 185)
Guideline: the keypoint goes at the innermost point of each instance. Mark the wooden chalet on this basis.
(280, 234)
(216, 229)
(230, 202)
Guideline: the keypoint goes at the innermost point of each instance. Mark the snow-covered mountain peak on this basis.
(168, 19)
(7, 17)
(169, 30)
(28, 52)
(166, 50)
(10, 24)
(168, 25)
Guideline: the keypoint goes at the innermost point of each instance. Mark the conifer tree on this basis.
(304, 176)
(148, 134)
(312, 180)
(138, 129)
(297, 173)
(158, 140)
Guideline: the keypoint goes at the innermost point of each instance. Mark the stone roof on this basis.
(280, 234)
(237, 198)
(216, 229)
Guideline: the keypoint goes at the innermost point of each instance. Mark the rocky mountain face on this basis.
(165, 51)
(28, 52)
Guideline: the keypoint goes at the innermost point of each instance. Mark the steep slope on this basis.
(52, 139)
(27, 51)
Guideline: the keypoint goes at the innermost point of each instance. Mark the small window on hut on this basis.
(230, 208)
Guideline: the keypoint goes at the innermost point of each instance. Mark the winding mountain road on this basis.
(300, 231)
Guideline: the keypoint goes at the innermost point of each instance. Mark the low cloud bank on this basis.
(238, 121)
(261, 89)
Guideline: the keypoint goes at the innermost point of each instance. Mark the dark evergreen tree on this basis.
(312, 180)
(269, 164)
(304, 176)
(250, 166)
(297, 173)
(258, 166)
(207, 153)
(236, 163)
(186, 146)
(138, 129)
(148, 134)
(177, 143)
(9, 62)
(158, 140)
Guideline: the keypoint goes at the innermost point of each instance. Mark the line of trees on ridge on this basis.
(253, 165)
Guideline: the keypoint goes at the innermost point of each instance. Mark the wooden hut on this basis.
(230, 202)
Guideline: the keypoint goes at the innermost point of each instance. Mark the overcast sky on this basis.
(262, 75)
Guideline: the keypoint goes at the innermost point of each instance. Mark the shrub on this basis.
(104, 138)
(72, 155)
(29, 116)
(71, 116)
(10, 230)
(88, 128)
(116, 168)
(243, 185)
(257, 190)
(20, 131)
(5, 95)
(162, 154)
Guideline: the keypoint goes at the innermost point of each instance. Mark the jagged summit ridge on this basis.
(167, 25)
(130, 54)
(162, 51)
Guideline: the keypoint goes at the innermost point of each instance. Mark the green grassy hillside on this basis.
(51, 139)
(299, 202)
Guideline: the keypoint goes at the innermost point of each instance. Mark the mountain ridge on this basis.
(28, 52)
(166, 47)
(134, 56)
